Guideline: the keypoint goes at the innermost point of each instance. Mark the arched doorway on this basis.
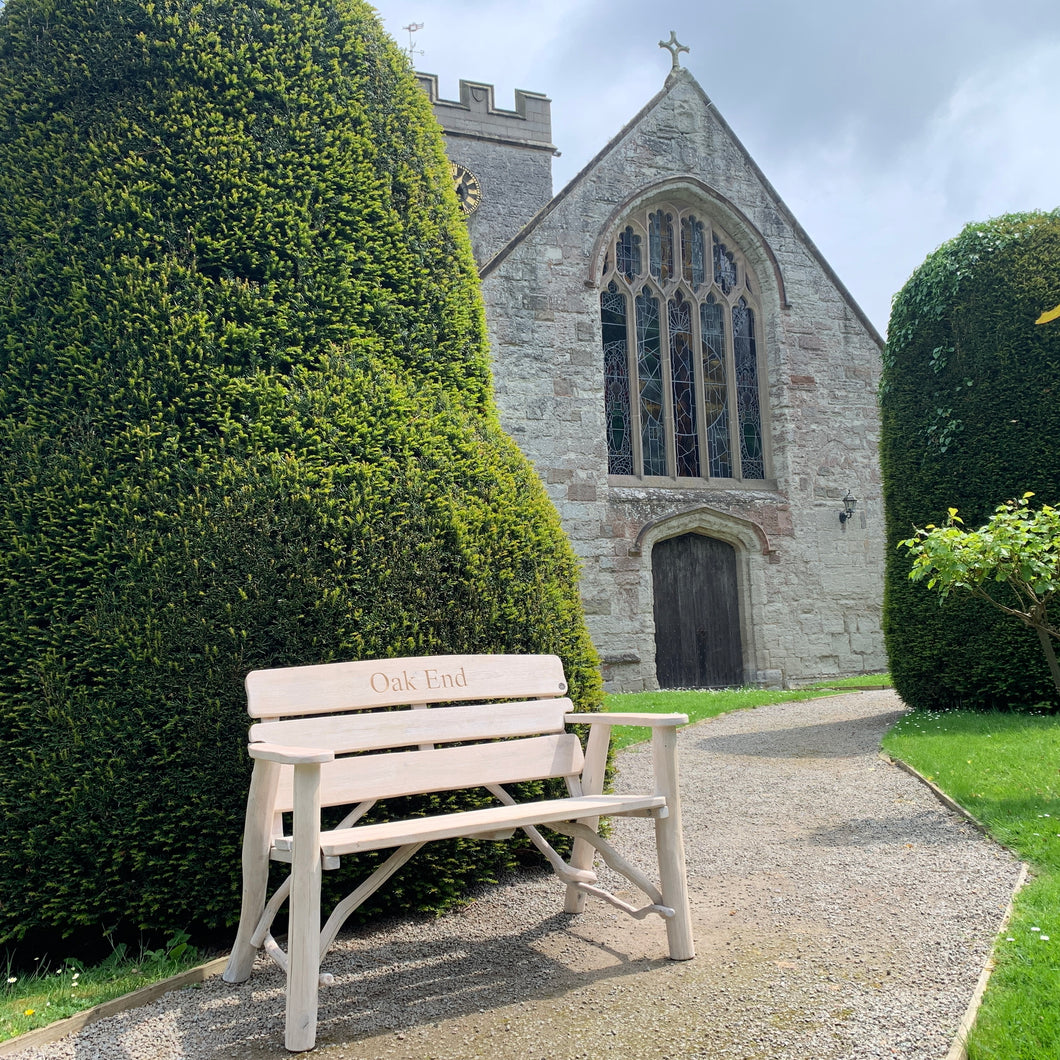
(697, 613)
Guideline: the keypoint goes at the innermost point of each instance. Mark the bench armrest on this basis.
(652, 721)
(290, 756)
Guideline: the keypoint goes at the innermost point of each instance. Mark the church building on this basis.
(694, 385)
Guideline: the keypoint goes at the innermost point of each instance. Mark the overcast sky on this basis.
(885, 125)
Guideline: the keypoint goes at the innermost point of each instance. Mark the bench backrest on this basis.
(405, 708)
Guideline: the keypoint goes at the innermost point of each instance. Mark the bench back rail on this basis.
(388, 776)
(330, 688)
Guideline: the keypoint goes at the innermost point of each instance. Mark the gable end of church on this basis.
(697, 389)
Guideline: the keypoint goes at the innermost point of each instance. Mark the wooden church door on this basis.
(697, 613)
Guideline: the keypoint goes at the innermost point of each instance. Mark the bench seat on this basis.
(471, 823)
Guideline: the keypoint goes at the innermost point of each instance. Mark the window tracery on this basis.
(617, 412)
(693, 252)
(682, 385)
(649, 375)
(724, 267)
(627, 254)
(661, 245)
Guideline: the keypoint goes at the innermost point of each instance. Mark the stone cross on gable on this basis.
(674, 48)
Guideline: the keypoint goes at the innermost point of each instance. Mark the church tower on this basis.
(502, 159)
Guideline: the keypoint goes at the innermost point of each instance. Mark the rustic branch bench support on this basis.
(351, 734)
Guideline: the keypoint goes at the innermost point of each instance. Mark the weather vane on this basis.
(674, 48)
(413, 51)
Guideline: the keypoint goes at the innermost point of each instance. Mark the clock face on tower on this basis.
(467, 188)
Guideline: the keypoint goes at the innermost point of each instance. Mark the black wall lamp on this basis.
(850, 502)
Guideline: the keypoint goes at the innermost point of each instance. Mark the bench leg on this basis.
(303, 933)
(669, 844)
(257, 840)
(592, 783)
(582, 855)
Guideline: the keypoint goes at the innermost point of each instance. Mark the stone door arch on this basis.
(697, 613)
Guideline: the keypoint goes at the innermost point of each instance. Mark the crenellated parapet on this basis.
(476, 114)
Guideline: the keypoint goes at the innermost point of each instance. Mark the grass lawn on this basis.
(861, 681)
(47, 994)
(698, 705)
(1005, 769)
(709, 703)
(54, 993)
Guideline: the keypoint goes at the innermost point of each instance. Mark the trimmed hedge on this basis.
(247, 421)
(970, 403)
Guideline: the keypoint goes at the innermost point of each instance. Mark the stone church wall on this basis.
(810, 586)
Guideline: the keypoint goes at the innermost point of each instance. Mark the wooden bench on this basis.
(350, 734)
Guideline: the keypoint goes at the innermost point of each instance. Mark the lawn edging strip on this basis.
(959, 1048)
(946, 800)
(144, 996)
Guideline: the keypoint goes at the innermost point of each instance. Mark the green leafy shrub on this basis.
(1012, 563)
(246, 418)
(970, 404)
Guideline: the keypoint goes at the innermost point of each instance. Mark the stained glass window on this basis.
(649, 372)
(627, 254)
(693, 252)
(715, 388)
(724, 267)
(683, 377)
(748, 409)
(617, 413)
(661, 245)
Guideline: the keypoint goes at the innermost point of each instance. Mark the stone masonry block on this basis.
(581, 491)
(597, 605)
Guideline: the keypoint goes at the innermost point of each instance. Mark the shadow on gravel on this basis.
(397, 987)
(846, 738)
(887, 832)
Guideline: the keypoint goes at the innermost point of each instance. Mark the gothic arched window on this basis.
(682, 386)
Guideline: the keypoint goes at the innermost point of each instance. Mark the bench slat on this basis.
(331, 687)
(345, 733)
(386, 776)
(475, 822)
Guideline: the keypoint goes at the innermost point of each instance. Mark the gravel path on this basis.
(841, 913)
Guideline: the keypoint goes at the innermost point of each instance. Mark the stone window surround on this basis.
(686, 195)
(693, 193)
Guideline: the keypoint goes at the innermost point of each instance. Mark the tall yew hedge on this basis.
(970, 403)
(246, 421)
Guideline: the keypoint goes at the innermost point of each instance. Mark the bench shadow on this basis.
(396, 986)
(844, 738)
